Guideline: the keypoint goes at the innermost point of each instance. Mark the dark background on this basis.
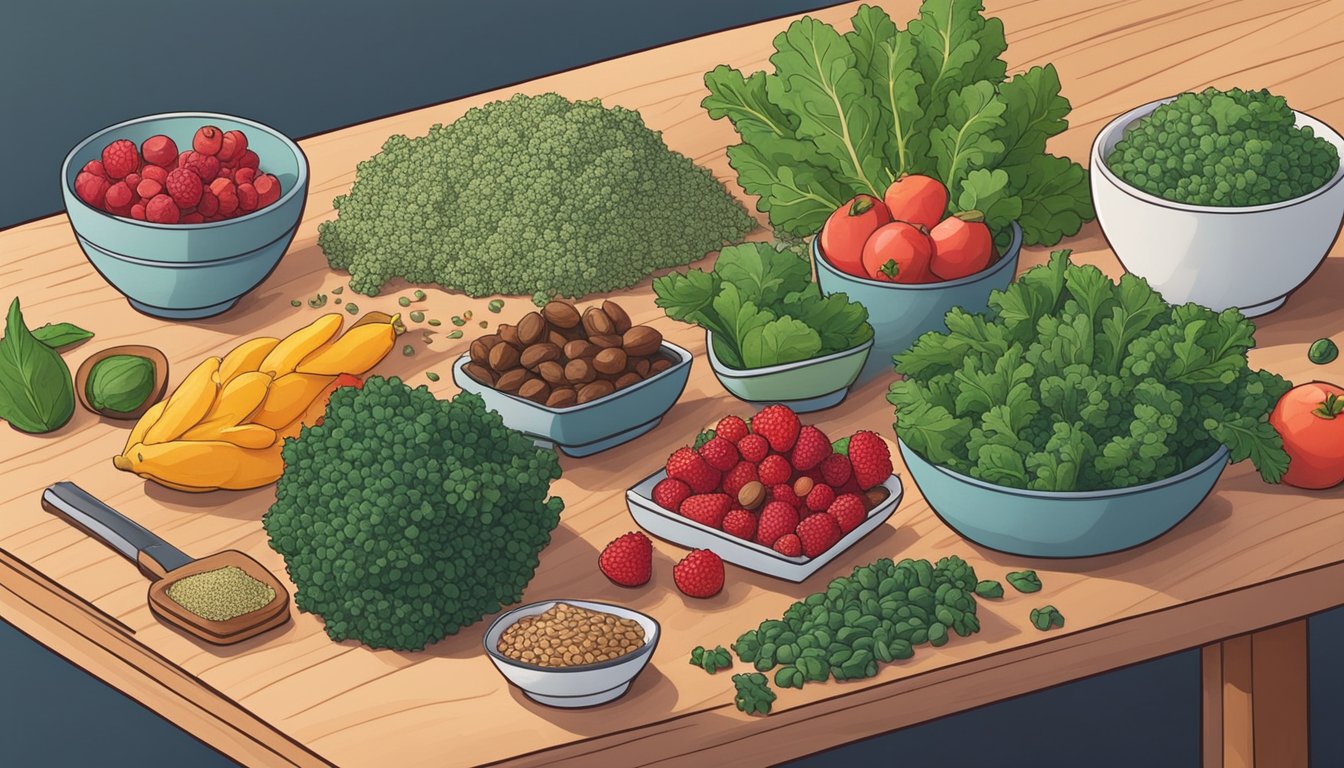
(304, 67)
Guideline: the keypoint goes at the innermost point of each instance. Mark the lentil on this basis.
(569, 636)
(221, 594)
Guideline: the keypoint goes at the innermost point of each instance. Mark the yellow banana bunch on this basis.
(225, 423)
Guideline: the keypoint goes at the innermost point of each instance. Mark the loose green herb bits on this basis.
(1323, 352)
(495, 305)
(432, 376)
(318, 301)
(417, 316)
(338, 290)
(295, 303)
(435, 322)
(1047, 618)
(455, 335)
(1025, 581)
(711, 661)
(408, 350)
(419, 295)
(352, 308)
(403, 301)
(753, 693)
(485, 324)
(989, 588)
(457, 320)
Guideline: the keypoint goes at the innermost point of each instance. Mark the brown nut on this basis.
(640, 366)
(803, 486)
(509, 333)
(557, 338)
(596, 389)
(579, 349)
(510, 381)
(480, 373)
(503, 357)
(620, 321)
(610, 361)
(580, 371)
(642, 341)
(480, 348)
(561, 314)
(628, 380)
(874, 496)
(531, 328)
(552, 372)
(606, 340)
(537, 354)
(751, 495)
(659, 365)
(562, 397)
(596, 322)
(535, 390)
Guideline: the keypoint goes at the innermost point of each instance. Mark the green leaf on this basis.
(783, 340)
(797, 197)
(840, 323)
(744, 102)
(1046, 618)
(956, 45)
(1034, 111)
(1137, 306)
(1000, 465)
(58, 336)
(688, 297)
(989, 588)
(888, 57)
(37, 394)
(1024, 581)
(987, 191)
(739, 318)
(1055, 199)
(1032, 296)
(762, 274)
(966, 138)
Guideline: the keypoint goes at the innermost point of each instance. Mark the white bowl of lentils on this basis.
(571, 653)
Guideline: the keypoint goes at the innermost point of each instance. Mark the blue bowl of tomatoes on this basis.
(909, 264)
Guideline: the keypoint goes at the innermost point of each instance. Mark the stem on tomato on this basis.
(1330, 407)
(860, 206)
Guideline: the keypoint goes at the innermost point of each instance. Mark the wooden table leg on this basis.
(1255, 699)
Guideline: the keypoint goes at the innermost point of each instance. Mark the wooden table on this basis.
(1251, 557)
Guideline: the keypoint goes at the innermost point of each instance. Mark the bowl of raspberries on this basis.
(185, 212)
(772, 495)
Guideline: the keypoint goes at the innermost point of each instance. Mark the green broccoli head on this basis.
(403, 518)
(535, 194)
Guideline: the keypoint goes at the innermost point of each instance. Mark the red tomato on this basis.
(845, 232)
(898, 253)
(918, 200)
(343, 380)
(1310, 419)
(962, 245)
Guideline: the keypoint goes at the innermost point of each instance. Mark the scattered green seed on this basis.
(403, 301)
(408, 350)
(419, 295)
(1323, 352)
(467, 315)
(455, 335)
(485, 324)
(352, 308)
(417, 316)
(318, 301)
(296, 303)
(338, 302)
(1047, 618)
(338, 290)
(458, 321)
(432, 376)
(436, 322)
(495, 305)
(1025, 581)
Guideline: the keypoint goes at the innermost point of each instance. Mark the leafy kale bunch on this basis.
(845, 114)
(1072, 382)
(535, 194)
(403, 518)
(1226, 148)
(763, 308)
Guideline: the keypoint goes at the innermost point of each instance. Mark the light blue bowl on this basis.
(901, 313)
(592, 427)
(188, 271)
(804, 386)
(1062, 524)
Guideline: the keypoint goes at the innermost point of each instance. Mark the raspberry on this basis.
(120, 158)
(185, 187)
(209, 204)
(268, 189)
(835, 470)
(159, 150)
(685, 464)
(753, 448)
(225, 172)
(208, 140)
(95, 167)
(706, 508)
(627, 560)
(717, 451)
(669, 493)
(776, 520)
(788, 545)
(731, 428)
(870, 458)
(119, 195)
(740, 523)
(820, 498)
(810, 449)
(849, 511)
(224, 190)
(742, 473)
(774, 470)
(785, 493)
(91, 188)
(205, 166)
(778, 424)
(244, 175)
(137, 212)
(192, 218)
(699, 574)
(155, 173)
(818, 533)
(148, 188)
(248, 159)
(231, 146)
(162, 210)
(132, 180)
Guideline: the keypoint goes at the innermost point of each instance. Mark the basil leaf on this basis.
(37, 394)
(58, 336)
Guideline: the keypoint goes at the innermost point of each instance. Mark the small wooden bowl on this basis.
(155, 357)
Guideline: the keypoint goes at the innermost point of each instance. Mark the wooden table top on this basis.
(1251, 556)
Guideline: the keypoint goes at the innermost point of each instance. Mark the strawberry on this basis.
(731, 428)
(706, 508)
(810, 449)
(754, 448)
(699, 574)
(719, 453)
(628, 560)
(778, 424)
(818, 533)
(819, 498)
(740, 523)
(689, 467)
(777, 519)
(835, 470)
(870, 458)
(788, 545)
(670, 492)
(849, 511)
(774, 470)
(785, 493)
(742, 473)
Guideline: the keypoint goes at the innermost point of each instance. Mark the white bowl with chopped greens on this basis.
(1250, 257)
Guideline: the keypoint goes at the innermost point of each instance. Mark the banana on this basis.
(147, 420)
(188, 403)
(245, 357)
(355, 352)
(289, 396)
(241, 435)
(237, 400)
(315, 410)
(300, 344)
(204, 464)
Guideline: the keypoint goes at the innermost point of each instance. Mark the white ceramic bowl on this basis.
(571, 687)
(1248, 257)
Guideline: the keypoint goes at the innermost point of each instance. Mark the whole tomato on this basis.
(845, 232)
(898, 253)
(1310, 419)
